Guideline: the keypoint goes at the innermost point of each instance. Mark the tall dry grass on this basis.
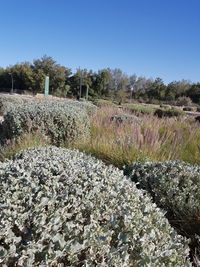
(122, 144)
(155, 139)
(28, 140)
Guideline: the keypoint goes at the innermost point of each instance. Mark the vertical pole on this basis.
(46, 88)
(80, 81)
(12, 80)
(87, 89)
(12, 83)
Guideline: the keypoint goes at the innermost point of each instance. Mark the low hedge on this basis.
(61, 122)
(126, 118)
(164, 106)
(139, 109)
(168, 113)
(61, 206)
(104, 103)
(175, 187)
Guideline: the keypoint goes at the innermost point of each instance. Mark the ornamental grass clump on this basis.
(61, 206)
(175, 187)
(61, 122)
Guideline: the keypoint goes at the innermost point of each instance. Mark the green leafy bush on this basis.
(63, 122)
(62, 206)
(165, 106)
(126, 118)
(175, 187)
(184, 101)
(168, 113)
(103, 103)
(139, 109)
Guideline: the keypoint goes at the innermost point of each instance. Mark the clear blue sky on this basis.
(152, 38)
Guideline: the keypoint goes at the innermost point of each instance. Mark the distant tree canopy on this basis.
(106, 83)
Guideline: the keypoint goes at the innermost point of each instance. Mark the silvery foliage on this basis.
(126, 118)
(7, 101)
(87, 106)
(64, 207)
(60, 121)
(174, 185)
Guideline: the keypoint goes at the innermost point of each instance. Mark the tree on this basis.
(103, 82)
(120, 79)
(157, 90)
(194, 93)
(58, 75)
(80, 82)
(176, 89)
(23, 76)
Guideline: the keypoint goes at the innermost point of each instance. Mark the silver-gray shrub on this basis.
(126, 118)
(61, 122)
(63, 206)
(7, 101)
(87, 106)
(175, 187)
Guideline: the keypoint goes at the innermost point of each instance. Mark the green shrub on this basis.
(63, 122)
(168, 113)
(175, 187)
(139, 109)
(62, 206)
(125, 118)
(184, 101)
(165, 106)
(82, 99)
(103, 103)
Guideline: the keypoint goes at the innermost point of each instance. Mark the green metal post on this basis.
(87, 89)
(46, 88)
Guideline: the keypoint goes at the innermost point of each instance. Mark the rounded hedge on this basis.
(175, 187)
(62, 206)
(164, 106)
(104, 103)
(62, 122)
(126, 118)
(7, 102)
(168, 113)
(87, 106)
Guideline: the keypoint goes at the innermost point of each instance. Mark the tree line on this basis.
(106, 83)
